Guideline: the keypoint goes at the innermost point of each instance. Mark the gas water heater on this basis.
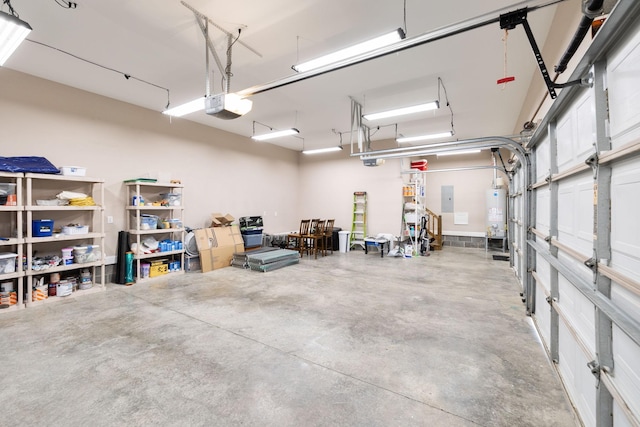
(496, 212)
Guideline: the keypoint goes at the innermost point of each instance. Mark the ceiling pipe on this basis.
(431, 36)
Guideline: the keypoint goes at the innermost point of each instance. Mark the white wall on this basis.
(328, 182)
(115, 141)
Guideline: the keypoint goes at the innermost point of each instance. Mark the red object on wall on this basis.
(505, 80)
(419, 164)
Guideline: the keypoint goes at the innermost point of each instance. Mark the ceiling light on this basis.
(367, 46)
(13, 31)
(186, 108)
(453, 153)
(276, 134)
(433, 105)
(322, 150)
(424, 137)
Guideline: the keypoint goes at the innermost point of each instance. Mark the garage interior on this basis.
(533, 321)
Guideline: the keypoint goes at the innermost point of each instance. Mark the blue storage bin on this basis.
(42, 227)
(252, 240)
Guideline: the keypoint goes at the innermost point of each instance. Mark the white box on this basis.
(7, 262)
(73, 170)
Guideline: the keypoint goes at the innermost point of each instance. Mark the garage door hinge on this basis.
(592, 161)
(595, 370)
(551, 300)
(592, 264)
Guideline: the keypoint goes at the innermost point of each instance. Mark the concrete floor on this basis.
(346, 340)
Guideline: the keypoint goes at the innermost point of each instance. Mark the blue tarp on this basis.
(27, 164)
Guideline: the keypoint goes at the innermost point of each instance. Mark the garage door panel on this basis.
(576, 266)
(575, 212)
(543, 154)
(619, 417)
(543, 270)
(566, 200)
(543, 200)
(543, 314)
(579, 310)
(623, 77)
(565, 132)
(626, 358)
(584, 215)
(625, 226)
(581, 385)
(626, 300)
(586, 127)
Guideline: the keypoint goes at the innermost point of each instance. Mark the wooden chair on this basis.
(314, 238)
(296, 241)
(328, 235)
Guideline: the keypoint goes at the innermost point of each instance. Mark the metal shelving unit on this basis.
(149, 191)
(12, 238)
(44, 186)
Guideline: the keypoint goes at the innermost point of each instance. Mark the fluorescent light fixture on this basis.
(424, 137)
(322, 150)
(433, 105)
(187, 108)
(453, 153)
(13, 31)
(276, 134)
(367, 46)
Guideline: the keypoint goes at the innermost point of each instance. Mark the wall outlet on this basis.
(109, 220)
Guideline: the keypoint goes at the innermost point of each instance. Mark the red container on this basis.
(419, 164)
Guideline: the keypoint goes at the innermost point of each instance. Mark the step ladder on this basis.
(359, 224)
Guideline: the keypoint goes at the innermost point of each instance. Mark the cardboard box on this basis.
(217, 246)
(219, 220)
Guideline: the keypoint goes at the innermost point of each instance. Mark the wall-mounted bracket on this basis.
(592, 264)
(593, 162)
(595, 370)
(509, 21)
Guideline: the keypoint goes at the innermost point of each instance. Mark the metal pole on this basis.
(602, 245)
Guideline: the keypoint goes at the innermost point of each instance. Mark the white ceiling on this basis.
(159, 42)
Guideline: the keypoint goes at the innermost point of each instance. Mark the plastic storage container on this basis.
(75, 229)
(7, 188)
(7, 262)
(73, 170)
(42, 227)
(252, 238)
(171, 199)
(148, 222)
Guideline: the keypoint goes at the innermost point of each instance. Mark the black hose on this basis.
(585, 23)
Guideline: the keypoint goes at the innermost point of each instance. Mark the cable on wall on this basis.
(125, 75)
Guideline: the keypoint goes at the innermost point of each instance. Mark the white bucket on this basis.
(64, 288)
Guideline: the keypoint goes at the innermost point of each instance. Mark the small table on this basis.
(372, 241)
